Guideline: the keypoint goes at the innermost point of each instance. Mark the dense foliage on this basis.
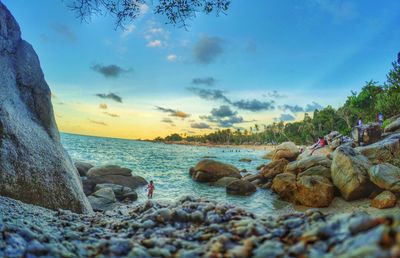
(372, 99)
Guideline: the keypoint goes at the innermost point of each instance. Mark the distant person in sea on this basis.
(319, 144)
(150, 189)
(380, 118)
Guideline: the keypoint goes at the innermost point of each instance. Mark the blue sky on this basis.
(290, 52)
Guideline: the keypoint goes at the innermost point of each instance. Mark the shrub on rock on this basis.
(384, 200)
(349, 173)
(209, 170)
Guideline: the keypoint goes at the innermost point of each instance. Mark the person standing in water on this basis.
(150, 189)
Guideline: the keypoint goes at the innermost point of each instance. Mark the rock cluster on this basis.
(338, 169)
(192, 228)
(108, 186)
(221, 174)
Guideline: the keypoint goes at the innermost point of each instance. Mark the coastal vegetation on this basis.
(372, 99)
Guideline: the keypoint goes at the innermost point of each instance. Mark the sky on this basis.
(264, 61)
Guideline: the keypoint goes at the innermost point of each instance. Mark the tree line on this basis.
(372, 99)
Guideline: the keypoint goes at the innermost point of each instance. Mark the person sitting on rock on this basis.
(320, 144)
(150, 189)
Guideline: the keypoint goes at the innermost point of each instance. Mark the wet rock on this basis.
(384, 200)
(286, 150)
(35, 168)
(245, 160)
(208, 170)
(314, 191)
(82, 167)
(225, 181)
(240, 187)
(274, 168)
(251, 178)
(103, 199)
(285, 186)
(386, 176)
(387, 150)
(119, 190)
(129, 196)
(111, 174)
(350, 173)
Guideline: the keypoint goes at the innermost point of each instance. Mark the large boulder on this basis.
(274, 168)
(349, 173)
(285, 186)
(367, 134)
(324, 152)
(302, 165)
(384, 200)
(393, 126)
(387, 150)
(208, 170)
(386, 176)
(314, 191)
(103, 199)
(317, 171)
(286, 150)
(34, 167)
(82, 167)
(240, 187)
(111, 174)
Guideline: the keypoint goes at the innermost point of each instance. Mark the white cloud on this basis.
(128, 30)
(156, 30)
(154, 43)
(172, 58)
(144, 8)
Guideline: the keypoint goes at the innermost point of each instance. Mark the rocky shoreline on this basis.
(192, 228)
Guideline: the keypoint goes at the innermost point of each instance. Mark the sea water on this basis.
(168, 166)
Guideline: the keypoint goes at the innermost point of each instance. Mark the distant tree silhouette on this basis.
(177, 12)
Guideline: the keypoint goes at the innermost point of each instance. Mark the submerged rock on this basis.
(208, 170)
(119, 190)
(240, 187)
(82, 167)
(225, 181)
(34, 166)
(350, 173)
(384, 200)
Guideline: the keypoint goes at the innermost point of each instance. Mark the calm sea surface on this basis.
(168, 166)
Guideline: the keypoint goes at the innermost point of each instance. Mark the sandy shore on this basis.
(242, 146)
